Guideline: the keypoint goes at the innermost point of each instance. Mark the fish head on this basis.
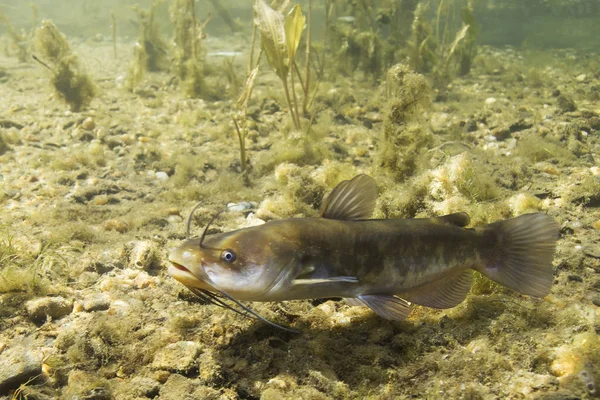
(246, 264)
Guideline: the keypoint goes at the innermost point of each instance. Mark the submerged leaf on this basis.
(294, 26)
(272, 36)
(460, 35)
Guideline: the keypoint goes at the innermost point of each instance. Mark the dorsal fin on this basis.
(351, 200)
(461, 219)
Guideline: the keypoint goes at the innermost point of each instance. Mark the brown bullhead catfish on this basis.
(382, 264)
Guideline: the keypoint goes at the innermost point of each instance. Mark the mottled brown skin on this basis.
(387, 257)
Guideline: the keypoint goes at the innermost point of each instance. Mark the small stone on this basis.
(575, 278)
(241, 206)
(490, 100)
(592, 250)
(501, 133)
(96, 302)
(177, 357)
(143, 280)
(52, 307)
(162, 176)
(17, 366)
(88, 124)
(596, 225)
(116, 225)
(596, 301)
(471, 125)
(581, 78)
(565, 104)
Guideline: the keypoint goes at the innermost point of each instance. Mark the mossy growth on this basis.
(69, 78)
(421, 45)
(29, 268)
(19, 40)
(188, 63)
(404, 140)
(150, 51)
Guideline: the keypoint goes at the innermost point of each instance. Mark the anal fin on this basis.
(388, 307)
(447, 292)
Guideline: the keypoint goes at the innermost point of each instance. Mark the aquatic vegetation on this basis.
(19, 39)
(280, 38)
(150, 50)
(404, 140)
(188, 63)
(430, 49)
(69, 78)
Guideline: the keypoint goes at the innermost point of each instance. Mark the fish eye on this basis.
(228, 256)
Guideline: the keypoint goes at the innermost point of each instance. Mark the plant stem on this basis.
(250, 62)
(289, 102)
(114, 33)
(242, 140)
(306, 86)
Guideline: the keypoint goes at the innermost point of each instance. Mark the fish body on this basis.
(381, 264)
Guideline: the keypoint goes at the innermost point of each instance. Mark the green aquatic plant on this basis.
(421, 44)
(404, 141)
(279, 38)
(188, 62)
(150, 50)
(69, 78)
(240, 121)
(430, 49)
(19, 39)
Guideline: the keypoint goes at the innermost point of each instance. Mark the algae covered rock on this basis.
(48, 307)
(17, 366)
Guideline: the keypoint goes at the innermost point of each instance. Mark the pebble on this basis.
(17, 366)
(581, 77)
(116, 225)
(177, 357)
(596, 225)
(596, 301)
(52, 307)
(162, 176)
(88, 124)
(241, 206)
(96, 302)
(592, 250)
(490, 100)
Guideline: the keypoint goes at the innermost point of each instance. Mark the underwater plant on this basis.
(429, 47)
(20, 41)
(69, 78)
(240, 122)
(188, 61)
(150, 50)
(404, 141)
(279, 38)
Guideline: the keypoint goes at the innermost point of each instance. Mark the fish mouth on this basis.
(180, 267)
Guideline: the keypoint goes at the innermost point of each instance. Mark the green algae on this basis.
(69, 78)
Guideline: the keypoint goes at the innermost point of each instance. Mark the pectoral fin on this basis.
(387, 307)
(349, 279)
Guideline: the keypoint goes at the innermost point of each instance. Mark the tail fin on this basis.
(518, 253)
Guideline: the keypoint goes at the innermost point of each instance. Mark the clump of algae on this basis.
(150, 51)
(69, 78)
(188, 63)
(404, 140)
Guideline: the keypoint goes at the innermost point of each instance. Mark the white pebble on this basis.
(490, 100)
(581, 77)
(162, 176)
